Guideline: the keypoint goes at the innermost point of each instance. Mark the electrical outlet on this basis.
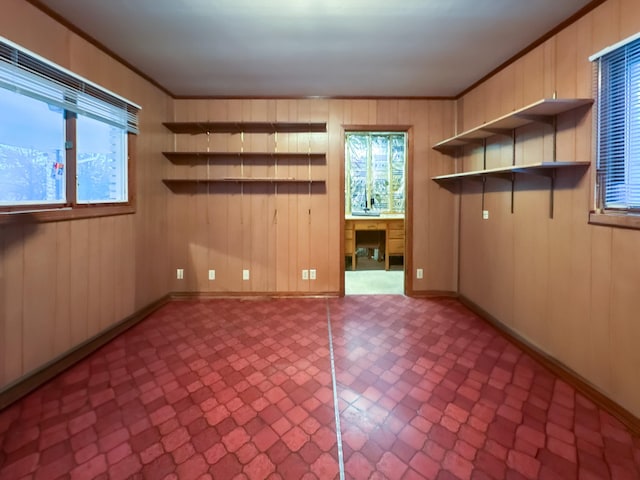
(180, 273)
(312, 274)
(419, 273)
(305, 274)
(212, 274)
(485, 214)
(245, 274)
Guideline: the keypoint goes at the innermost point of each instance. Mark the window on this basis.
(618, 129)
(375, 172)
(64, 142)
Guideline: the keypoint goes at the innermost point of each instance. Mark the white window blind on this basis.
(618, 122)
(28, 74)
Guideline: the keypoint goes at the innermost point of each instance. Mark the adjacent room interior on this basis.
(319, 240)
(375, 165)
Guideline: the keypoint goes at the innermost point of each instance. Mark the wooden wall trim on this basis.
(408, 209)
(308, 97)
(557, 368)
(47, 372)
(252, 295)
(84, 35)
(431, 294)
(35, 379)
(551, 33)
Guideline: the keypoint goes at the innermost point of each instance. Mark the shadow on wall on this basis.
(26, 221)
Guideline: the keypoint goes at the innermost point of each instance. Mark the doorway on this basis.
(375, 204)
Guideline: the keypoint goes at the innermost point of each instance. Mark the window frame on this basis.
(72, 209)
(370, 133)
(628, 217)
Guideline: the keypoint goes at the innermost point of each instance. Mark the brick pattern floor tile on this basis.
(427, 390)
(220, 388)
(232, 388)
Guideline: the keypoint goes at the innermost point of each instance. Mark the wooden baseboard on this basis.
(255, 295)
(30, 382)
(33, 380)
(559, 369)
(431, 294)
(250, 295)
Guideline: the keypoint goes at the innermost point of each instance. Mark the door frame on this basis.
(408, 207)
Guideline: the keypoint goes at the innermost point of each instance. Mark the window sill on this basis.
(63, 214)
(620, 220)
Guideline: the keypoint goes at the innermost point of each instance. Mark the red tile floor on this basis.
(245, 389)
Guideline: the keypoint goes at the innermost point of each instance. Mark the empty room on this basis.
(319, 239)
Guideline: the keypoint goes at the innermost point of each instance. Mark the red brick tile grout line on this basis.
(336, 410)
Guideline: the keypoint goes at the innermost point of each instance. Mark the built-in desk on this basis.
(391, 226)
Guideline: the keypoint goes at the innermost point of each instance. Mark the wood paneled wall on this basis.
(63, 282)
(276, 234)
(568, 287)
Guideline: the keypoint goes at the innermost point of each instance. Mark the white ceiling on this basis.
(302, 48)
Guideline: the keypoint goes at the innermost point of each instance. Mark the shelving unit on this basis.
(195, 157)
(544, 111)
(271, 158)
(195, 128)
(542, 168)
(186, 181)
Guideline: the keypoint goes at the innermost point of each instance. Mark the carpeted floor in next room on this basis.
(370, 277)
(246, 389)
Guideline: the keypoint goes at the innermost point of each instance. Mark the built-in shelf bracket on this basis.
(484, 187)
(546, 119)
(542, 111)
(552, 188)
(504, 132)
(513, 190)
(543, 169)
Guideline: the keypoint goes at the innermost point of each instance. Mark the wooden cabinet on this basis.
(395, 237)
(349, 247)
(369, 225)
(390, 228)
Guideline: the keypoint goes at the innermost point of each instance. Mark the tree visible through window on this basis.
(375, 172)
(32, 153)
(64, 141)
(101, 162)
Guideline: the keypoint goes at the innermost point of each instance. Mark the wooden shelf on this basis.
(184, 181)
(542, 168)
(195, 128)
(289, 157)
(542, 111)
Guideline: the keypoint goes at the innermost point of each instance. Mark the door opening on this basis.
(374, 223)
